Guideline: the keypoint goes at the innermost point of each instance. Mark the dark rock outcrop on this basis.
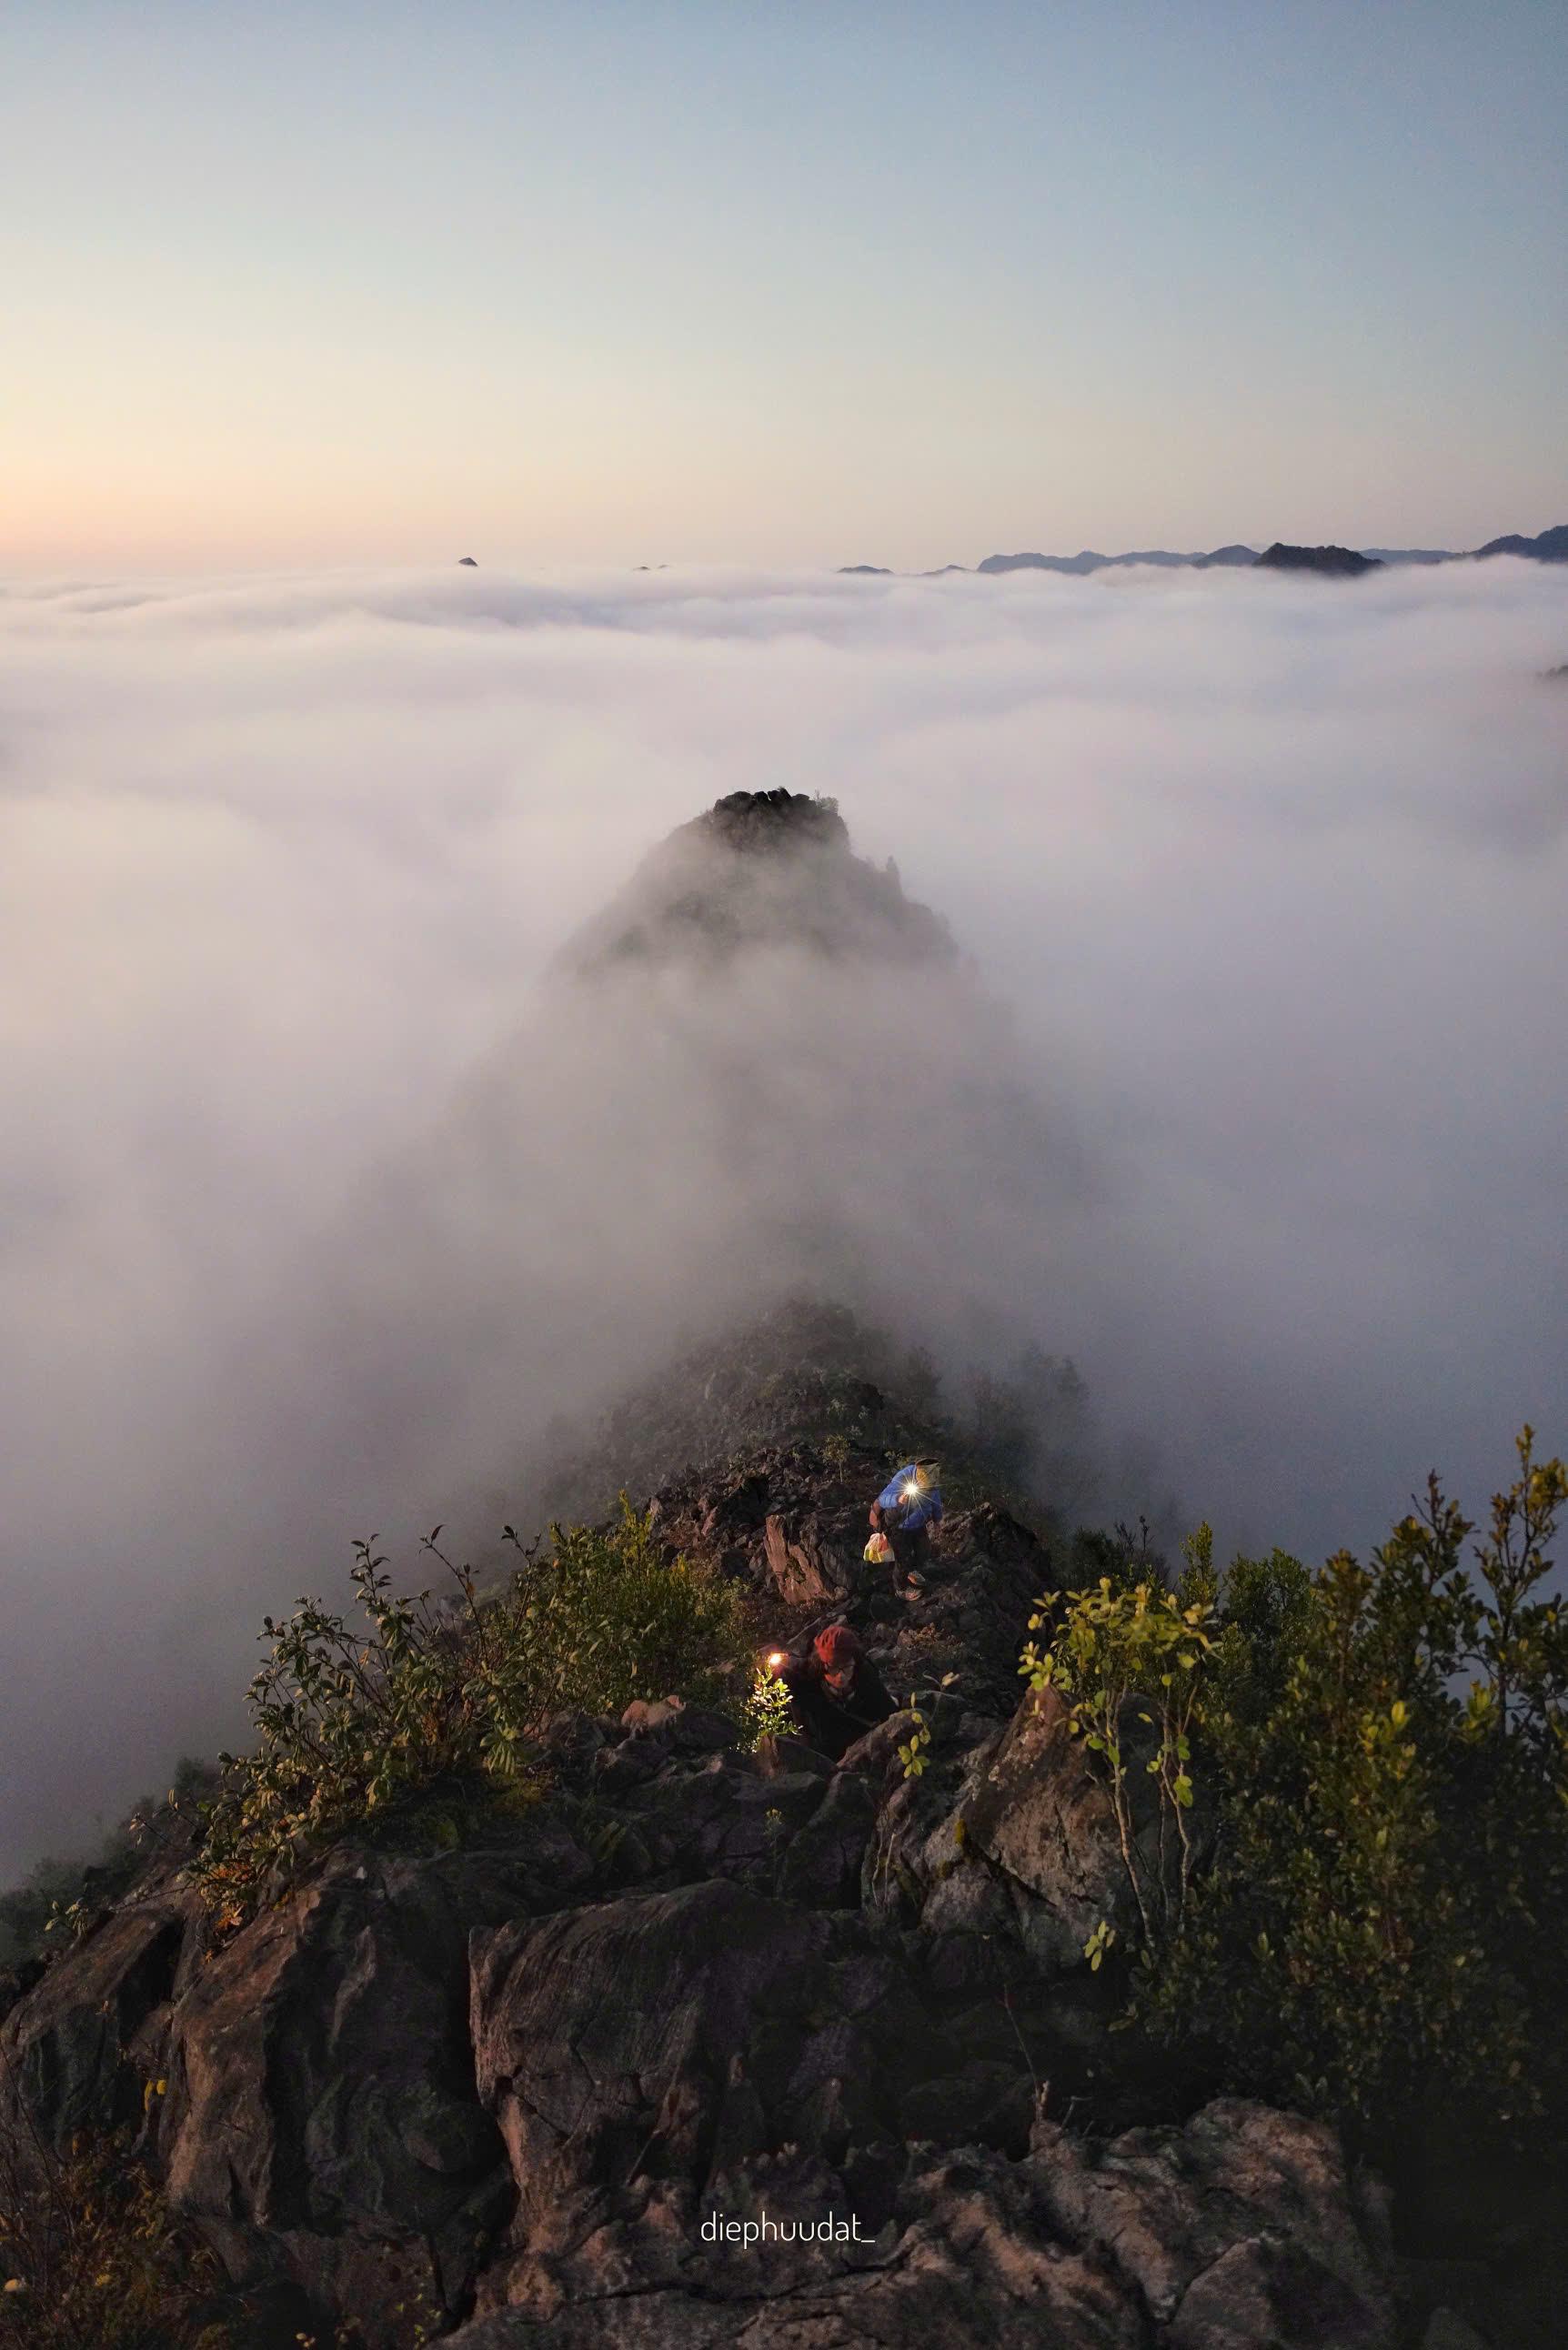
(1331, 562)
(1239, 2233)
(79, 2048)
(1037, 1807)
(321, 2121)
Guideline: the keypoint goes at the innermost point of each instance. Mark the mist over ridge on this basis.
(340, 1161)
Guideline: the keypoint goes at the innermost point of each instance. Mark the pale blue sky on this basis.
(668, 281)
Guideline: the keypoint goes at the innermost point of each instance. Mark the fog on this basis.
(334, 1165)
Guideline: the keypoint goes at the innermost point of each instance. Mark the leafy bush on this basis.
(452, 1698)
(766, 1712)
(1123, 1657)
(1384, 1934)
(91, 2259)
(62, 1898)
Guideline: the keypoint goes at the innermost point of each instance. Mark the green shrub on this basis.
(1125, 1658)
(1383, 1935)
(432, 1720)
(766, 1712)
(92, 2259)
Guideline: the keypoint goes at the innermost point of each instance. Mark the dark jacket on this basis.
(829, 1720)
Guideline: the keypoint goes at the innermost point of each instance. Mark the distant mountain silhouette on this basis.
(1337, 562)
(1333, 562)
(1552, 547)
(1089, 559)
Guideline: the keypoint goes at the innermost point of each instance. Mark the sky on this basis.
(676, 281)
(321, 1192)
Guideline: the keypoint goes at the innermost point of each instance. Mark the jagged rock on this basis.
(1038, 1807)
(572, 1741)
(16, 1983)
(697, 1730)
(1446, 2330)
(1238, 2231)
(321, 2118)
(1261, 2245)
(779, 1753)
(823, 1862)
(875, 1752)
(517, 2082)
(795, 1526)
(985, 2103)
(799, 1579)
(715, 1821)
(625, 2039)
(79, 2046)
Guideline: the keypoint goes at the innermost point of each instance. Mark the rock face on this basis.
(1038, 1808)
(320, 2119)
(794, 1527)
(1240, 2232)
(538, 2094)
(79, 2049)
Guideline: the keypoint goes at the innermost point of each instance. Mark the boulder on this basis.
(719, 1821)
(79, 2046)
(321, 2121)
(1257, 2248)
(1038, 1805)
(640, 2037)
(801, 1577)
(1239, 2230)
(822, 1864)
(780, 1753)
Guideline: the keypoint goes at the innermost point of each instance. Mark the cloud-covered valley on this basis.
(326, 1182)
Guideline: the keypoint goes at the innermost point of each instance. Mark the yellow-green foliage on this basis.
(1382, 1936)
(436, 1712)
(606, 1618)
(767, 1708)
(91, 2259)
(1125, 1658)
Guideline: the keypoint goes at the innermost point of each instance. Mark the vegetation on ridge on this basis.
(1383, 1934)
(433, 1720)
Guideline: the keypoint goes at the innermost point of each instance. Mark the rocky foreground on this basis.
(716, 2047)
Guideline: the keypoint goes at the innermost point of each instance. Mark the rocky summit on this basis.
(768, 869)
(714, 2046)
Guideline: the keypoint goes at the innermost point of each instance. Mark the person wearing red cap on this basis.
(836, 1691)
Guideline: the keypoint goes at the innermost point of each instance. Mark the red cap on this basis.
(837, 1648)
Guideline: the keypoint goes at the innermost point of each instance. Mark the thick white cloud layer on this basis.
(1266, 875)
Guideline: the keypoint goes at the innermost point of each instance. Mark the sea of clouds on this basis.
(1252, 1097)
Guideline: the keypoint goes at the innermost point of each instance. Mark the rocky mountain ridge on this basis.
(1548, 547)
(547, 2089)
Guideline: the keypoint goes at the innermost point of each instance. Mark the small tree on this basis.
(1121, 1656)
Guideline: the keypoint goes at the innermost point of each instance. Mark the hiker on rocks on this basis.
(836, 1691)
(904, 1511)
